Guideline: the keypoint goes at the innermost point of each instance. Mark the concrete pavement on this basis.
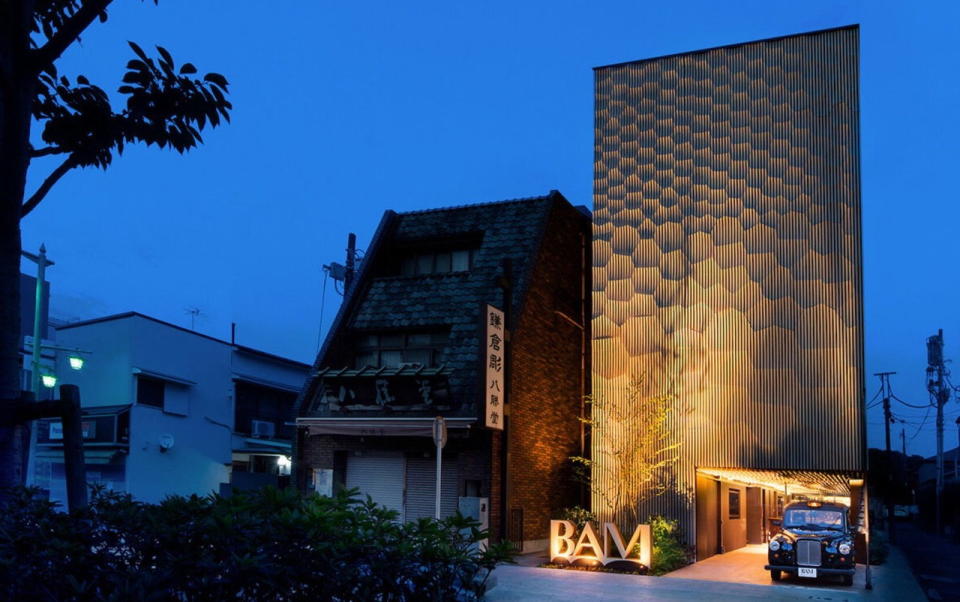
(892, 581)
(745, 565)
(935, 560)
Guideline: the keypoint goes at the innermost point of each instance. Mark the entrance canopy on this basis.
(794, 482)
(363, 426)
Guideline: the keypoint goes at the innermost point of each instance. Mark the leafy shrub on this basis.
(578, 516)
(266, 545)
(669, 553)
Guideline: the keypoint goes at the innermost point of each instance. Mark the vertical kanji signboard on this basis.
(494, 347)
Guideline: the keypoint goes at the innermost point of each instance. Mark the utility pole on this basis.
(38, 318)
(940, 394)
(903, 443)
(351, 263)
(42, 264)
(505, 282)
(887, 419)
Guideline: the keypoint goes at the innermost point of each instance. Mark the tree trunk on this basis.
(17, 85)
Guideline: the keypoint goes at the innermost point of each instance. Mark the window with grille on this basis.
(393, 350)
(437, 262)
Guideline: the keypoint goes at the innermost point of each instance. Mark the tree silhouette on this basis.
(164, 106)
(635, 450)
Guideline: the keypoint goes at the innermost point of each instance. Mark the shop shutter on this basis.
(380, 476)
(421, 488)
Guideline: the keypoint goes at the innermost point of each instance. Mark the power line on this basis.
(874, 402)
(909, 405)
(920, 428)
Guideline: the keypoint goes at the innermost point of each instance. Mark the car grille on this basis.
(808, 552)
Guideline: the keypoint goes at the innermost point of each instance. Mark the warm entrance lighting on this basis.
(567, 547)
(76, 362)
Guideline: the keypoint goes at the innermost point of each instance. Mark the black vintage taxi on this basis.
(814, 540)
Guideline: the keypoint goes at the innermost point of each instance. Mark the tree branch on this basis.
(68, 34)
(47, 150)
(41, 192)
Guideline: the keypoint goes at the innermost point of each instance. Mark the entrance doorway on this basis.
(708, 516)
(736, 507)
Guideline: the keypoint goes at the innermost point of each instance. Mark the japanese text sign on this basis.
(494, 347)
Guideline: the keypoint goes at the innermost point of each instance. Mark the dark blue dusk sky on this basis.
(343, 110)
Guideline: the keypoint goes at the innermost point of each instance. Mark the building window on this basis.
(734, 498)
(150, 391)
(437, 262)
(171, 397)
(394, 350)
(257, 407)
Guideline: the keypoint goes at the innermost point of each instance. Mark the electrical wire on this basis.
(909, 405)
(920, 428)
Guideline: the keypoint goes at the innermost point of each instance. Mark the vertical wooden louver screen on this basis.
(727, 254)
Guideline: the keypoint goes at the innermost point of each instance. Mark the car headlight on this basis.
(774, 545)
(844, 548)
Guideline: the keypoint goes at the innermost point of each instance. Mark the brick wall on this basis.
(545, 377)
(544, 380)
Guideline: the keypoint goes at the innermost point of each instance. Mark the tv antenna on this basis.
(194, 314)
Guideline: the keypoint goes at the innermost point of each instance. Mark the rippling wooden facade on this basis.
(727, 255)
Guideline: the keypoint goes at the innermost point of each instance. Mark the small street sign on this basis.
(439, 432)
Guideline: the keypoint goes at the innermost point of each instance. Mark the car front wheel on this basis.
(775, 574)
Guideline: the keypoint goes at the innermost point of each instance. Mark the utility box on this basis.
(477, 508)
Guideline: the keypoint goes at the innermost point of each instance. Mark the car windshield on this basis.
(808, 518)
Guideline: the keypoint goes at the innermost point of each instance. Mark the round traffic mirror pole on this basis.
(439, 439)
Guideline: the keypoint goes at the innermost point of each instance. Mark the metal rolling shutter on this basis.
(421, 488)
(380, 476)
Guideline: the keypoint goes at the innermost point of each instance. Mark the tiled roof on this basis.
(505, 229)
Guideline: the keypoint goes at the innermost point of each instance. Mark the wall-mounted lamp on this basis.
(76, 362)
(49, 380)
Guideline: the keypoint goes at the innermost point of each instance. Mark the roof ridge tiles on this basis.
(543, 197)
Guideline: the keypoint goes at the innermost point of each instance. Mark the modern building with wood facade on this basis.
(408, 345)
(728, 275)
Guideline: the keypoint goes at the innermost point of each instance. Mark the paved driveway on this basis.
(745, 565)
(892, 581)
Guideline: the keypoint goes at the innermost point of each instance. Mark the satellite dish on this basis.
(166, 442)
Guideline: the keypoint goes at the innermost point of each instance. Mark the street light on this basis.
(49, 381)
(42, 263)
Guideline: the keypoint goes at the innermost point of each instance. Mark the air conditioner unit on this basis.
(263, 428)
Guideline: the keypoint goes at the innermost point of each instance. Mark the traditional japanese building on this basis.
(728, 275)
(413, 340)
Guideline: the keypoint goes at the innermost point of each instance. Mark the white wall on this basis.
(268, 371)
(198, 368)
(106, 378)
(199, 459)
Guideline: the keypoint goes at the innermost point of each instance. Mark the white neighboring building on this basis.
(171, 411)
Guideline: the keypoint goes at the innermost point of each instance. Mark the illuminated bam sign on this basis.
(594, 549)
(727, 255)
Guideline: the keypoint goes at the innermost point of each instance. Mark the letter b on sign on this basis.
(562, 533)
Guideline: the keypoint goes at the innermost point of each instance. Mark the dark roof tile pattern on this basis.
(508, 229)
